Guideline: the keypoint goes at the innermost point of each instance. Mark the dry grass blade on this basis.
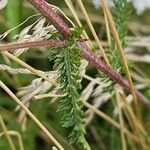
(71, 8)
(31, 115)
(135, 125)
(119, 48)
(120, 118)
(93, 31)
(107, 31)
(48, 95)
(22, 63)
(108, 119)
(12, 146)
(104, 80)
(14, 133)
(111, 121)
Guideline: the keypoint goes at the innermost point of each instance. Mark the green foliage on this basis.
(67, 62)
(14, 13)
(121, 16)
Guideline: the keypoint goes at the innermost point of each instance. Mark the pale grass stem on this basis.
(111, 121)
(48, 95)
(36, 72)
(133, 117)
(72, 9)
(135, 125)
(14, 133)
(105, 117)
(93, 31)
(142, 73)
(12, 29)
(120, 50)
(123, 140)
(107, 31)
(11, 144)
(57, 8)
(40, 125)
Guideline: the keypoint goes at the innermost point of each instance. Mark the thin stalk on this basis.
(134, 124)
(11, 144)
(107, 31)
(119, 48)
(14, 133)
(41, 126)
(49, 43)
(93, 31)
(71, 8)
(110, 120)
(36, 72)
(86, 53)
(107, 118)
(120, 118)
(48, 95)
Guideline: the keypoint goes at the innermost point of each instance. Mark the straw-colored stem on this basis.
(71, 8)
(133, 117)
(11, 144)
(111, 121)
(36, 72)
(107, 31)
(41, 126)
(119, 47)
(134, 124)
(120, 118)
(93, 31)
(48, 95)
(14, 133)
(107, 118)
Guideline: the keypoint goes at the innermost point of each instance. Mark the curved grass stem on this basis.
(11, 144)
(36, 72)
(41, 126)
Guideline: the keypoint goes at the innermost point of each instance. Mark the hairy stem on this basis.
(50, 13)
(48, 43)
(62, 27)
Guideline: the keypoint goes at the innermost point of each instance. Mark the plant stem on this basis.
(62, 27)
(111, 121)
(119, 48)
(93, 31)
(34, 71)
(50, 13)
(50, 136)
(12, 147)
(48, 43)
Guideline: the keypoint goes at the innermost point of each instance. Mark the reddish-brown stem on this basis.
(50, 13)
(62, 27)
(113, 75)
(48, 43)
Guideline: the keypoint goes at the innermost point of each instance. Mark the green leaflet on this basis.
(121, 15)
(67, 62)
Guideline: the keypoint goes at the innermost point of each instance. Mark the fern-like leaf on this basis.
(121, 16)
(67, 62)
